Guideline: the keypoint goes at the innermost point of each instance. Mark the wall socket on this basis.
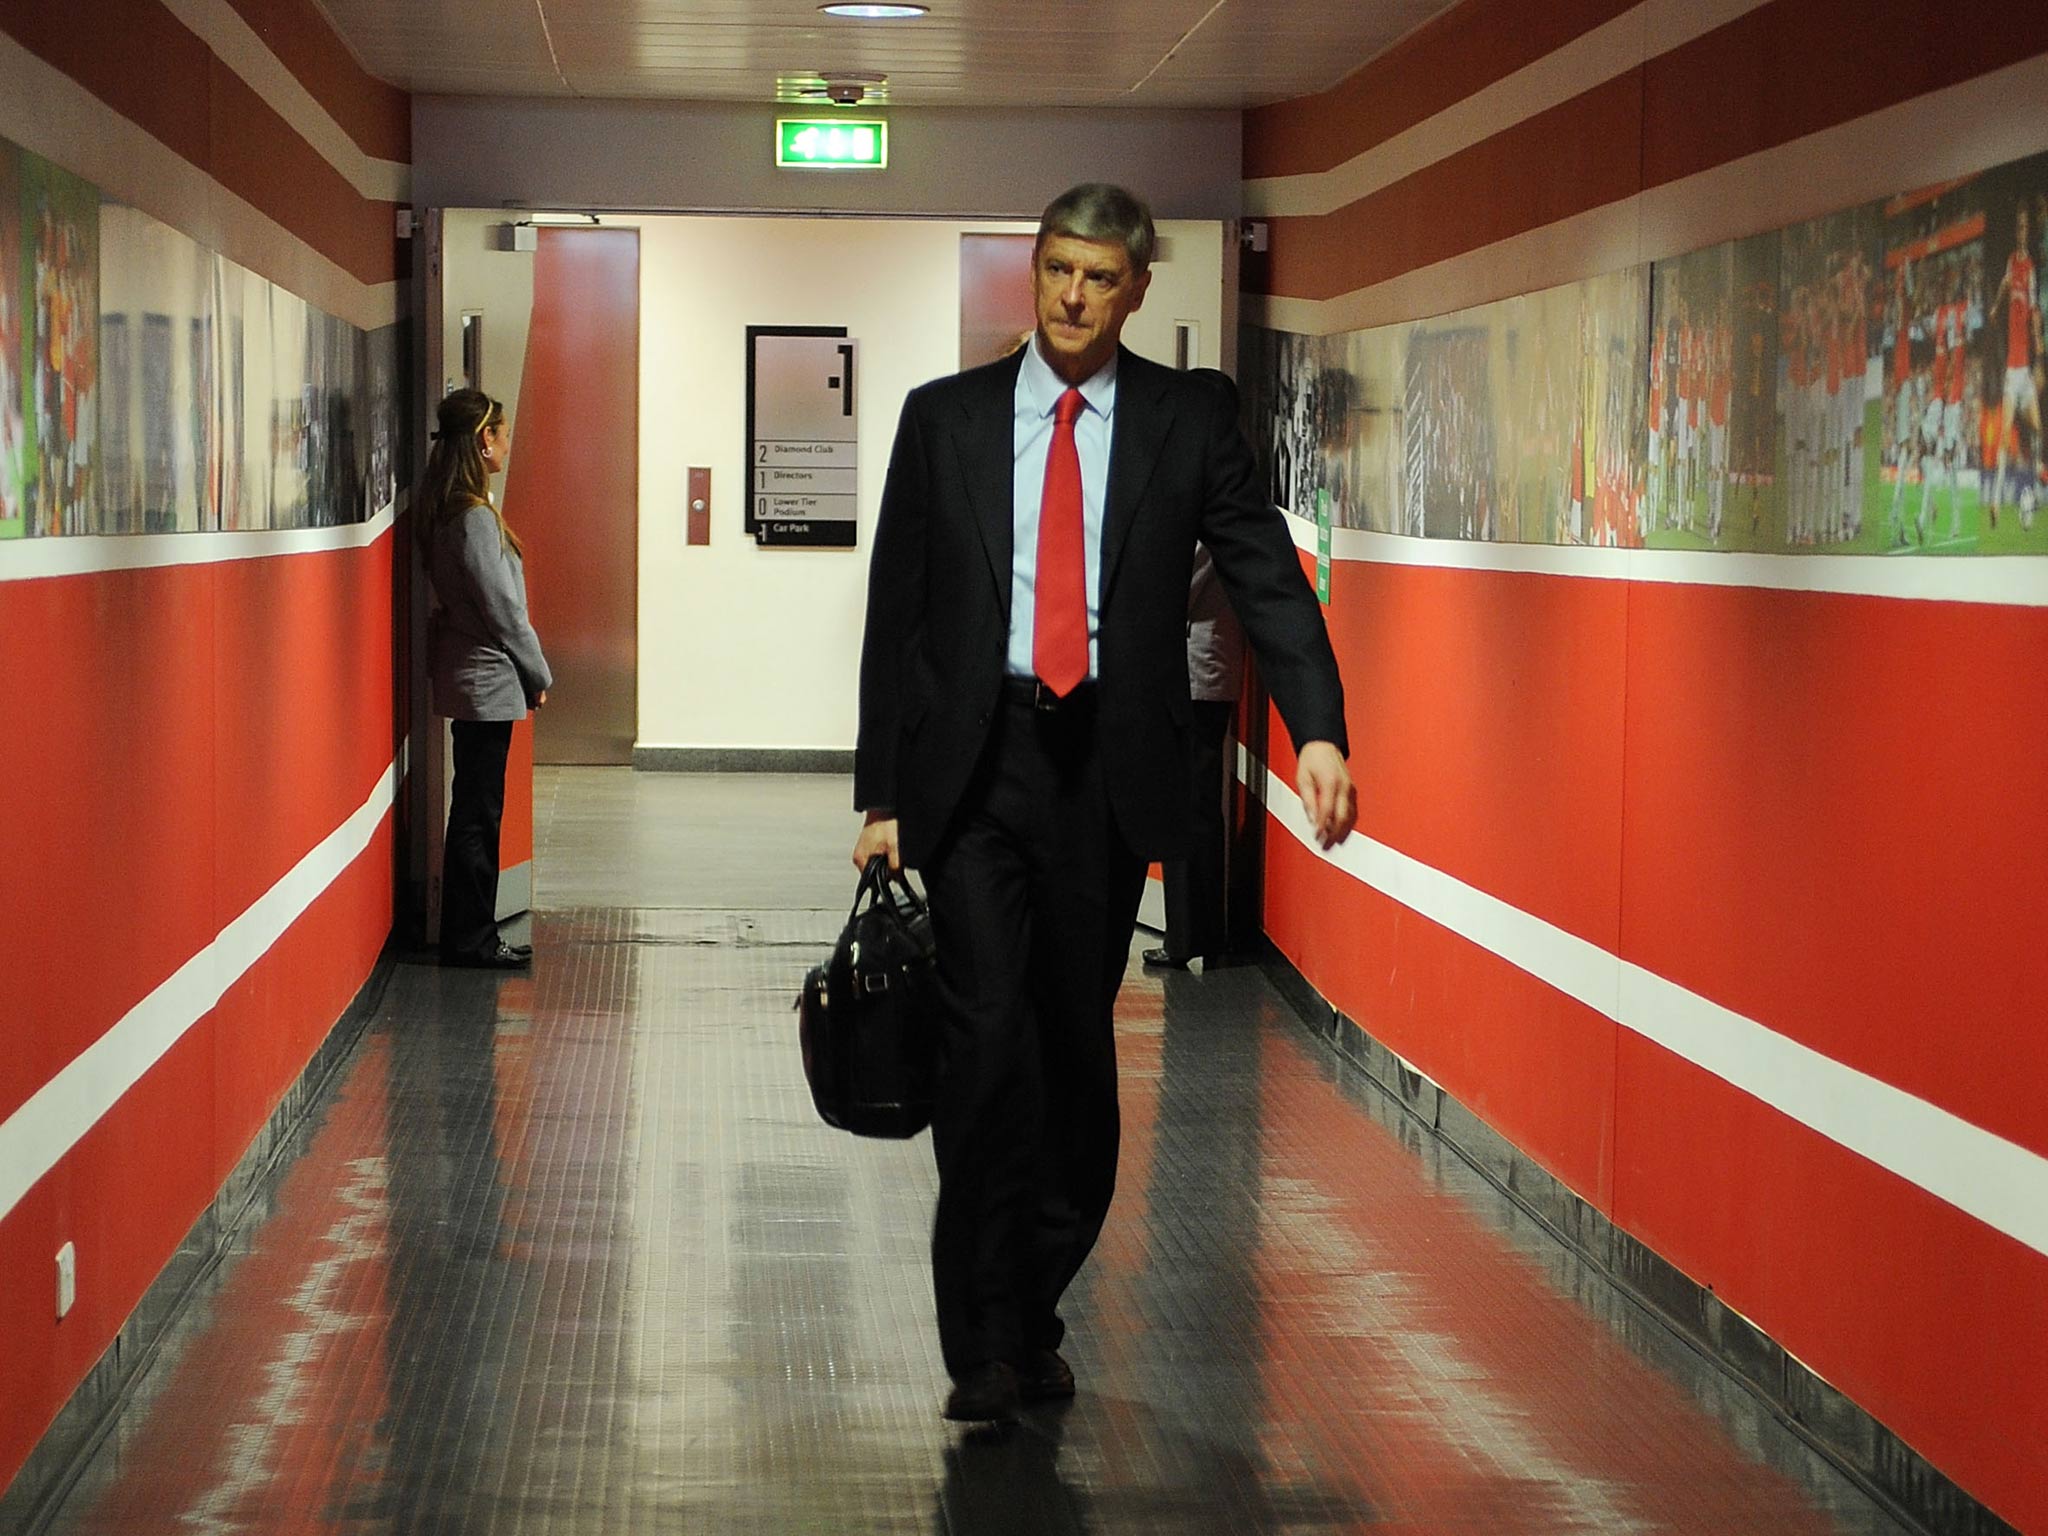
(67, 1278)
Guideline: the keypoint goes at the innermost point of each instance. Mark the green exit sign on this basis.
(832, 143)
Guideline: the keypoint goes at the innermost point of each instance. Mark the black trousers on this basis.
(469, 861)
(1195, 884)
(1034, 897)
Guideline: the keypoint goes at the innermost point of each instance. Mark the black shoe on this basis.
(1045, 1377)
(1165, 960)
(500, 957)
(986, 1394)
(523, 951)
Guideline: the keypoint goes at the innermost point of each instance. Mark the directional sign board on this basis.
(802, 452)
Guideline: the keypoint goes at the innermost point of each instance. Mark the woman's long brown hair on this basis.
(455, 478)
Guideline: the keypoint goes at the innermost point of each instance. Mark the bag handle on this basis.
(903, 896)
(882, 883)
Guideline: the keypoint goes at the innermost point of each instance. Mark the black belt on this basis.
(1029, 690)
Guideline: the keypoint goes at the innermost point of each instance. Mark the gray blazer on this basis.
(1215, 639)
(484, 661)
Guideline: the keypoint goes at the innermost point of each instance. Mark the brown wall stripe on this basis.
(376, 115)
(1799, 66)
(1587, 151)
(137, 58)
(258, 156)
(1781, 72)
(141, 61)
(1438, 65)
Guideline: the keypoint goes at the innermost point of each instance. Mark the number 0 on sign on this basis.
(802, 450)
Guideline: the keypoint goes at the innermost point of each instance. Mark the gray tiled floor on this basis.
(569, 1253)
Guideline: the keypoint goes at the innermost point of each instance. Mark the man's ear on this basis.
(1138, 287)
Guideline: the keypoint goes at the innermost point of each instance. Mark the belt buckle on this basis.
(1043, 699)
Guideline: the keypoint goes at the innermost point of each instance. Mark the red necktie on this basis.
(1059, 626)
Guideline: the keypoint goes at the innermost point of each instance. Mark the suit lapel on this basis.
(1142, 418)
(988, 452)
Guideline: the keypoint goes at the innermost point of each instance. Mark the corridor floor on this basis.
(570, 1253)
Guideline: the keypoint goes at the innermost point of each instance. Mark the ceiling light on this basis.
(875, 12)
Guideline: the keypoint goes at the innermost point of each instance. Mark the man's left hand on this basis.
(1327, 795)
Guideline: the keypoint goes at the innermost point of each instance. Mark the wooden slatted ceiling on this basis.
(1055, 53)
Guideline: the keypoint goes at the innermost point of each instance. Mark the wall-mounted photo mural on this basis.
(1869, 382)
(149, 385)
(14, 334)
(49, 223)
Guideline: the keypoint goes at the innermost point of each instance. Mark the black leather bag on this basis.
(866, 1017)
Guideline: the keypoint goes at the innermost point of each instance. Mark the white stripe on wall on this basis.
(236, 44)
(2017, 581)
(1957, 131)
(1998, 1182)
(89, 554)
(38, 1135)
(48, 113)
(1590, 59)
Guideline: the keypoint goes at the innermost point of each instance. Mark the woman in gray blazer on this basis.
(484, 663)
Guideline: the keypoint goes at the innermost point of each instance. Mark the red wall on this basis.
(1823, 812)
(1771, 799)
(189, 734)
(179, 737)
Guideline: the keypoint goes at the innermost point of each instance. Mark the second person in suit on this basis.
(1196, 905)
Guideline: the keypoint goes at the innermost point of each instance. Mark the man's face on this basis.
(1083, 290)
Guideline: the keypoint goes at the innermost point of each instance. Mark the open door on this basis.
(573, 489)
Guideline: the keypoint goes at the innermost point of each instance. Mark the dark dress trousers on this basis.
(1197, 907)
(1032, 827)
(1196, 904)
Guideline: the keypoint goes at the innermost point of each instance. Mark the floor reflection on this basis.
(449, 1252)
(569, 1253)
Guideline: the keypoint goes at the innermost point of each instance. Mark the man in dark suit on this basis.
(1024, 722)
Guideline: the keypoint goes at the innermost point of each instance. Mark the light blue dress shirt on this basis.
(1038, 392)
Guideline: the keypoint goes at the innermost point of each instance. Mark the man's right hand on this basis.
(878, 836)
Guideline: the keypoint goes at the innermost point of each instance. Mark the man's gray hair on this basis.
(1095, 210)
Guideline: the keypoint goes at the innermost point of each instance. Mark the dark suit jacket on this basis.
(939, 595)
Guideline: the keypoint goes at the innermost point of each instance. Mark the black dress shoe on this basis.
(523, 951)
(986, 1394)
(500, 957)
(1165, 960)
(1045, 1377)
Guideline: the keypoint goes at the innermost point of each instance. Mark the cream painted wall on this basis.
(749, 647)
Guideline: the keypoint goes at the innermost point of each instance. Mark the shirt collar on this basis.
(1040, 388)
